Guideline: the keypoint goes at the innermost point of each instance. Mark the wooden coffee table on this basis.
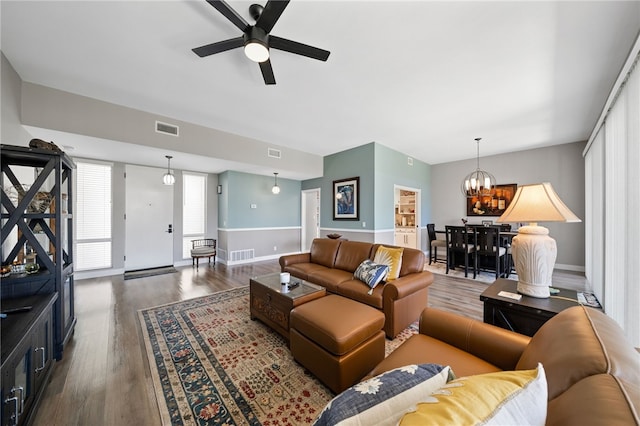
(272, 306)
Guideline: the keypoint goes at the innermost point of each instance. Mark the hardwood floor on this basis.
(103, 378)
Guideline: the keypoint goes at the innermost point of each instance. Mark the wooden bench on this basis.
(205, 247)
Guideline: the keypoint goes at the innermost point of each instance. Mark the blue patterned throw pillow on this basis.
(384, 399)
(371, 273)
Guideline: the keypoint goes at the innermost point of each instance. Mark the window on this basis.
(193, 210)
(93, 216)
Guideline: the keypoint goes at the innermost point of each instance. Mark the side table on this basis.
(528, 314)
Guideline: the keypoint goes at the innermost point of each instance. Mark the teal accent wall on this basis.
(391, 169)
(355, 162)
(379, 169)
(241, 190)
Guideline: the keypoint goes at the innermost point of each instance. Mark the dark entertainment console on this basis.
(27, 355)
(526, 315)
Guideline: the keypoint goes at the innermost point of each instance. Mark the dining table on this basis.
(506, 238)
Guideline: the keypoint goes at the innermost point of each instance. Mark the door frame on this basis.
(396, 189)
(306, 195)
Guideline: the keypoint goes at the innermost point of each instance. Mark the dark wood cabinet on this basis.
(36, 188)
(27, 356)
(526, 315)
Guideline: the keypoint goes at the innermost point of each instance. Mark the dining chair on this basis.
(458, 242)
(506, 242)
(488, 244)
(434, 243)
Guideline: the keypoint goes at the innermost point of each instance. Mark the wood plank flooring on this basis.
(103, 378)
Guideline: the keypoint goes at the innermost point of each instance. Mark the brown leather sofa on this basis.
(331, 263)
(592, 371)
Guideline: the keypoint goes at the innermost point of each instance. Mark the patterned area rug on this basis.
(212, 365)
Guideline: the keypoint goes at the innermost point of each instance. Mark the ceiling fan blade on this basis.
(218, 47)
(237, 20)
(267, 72)
(298, 48)
(271, 13)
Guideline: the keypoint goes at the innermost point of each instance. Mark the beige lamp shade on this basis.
(537, 203)
(533, 250)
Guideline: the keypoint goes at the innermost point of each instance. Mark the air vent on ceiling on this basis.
(167, 129)
(274, 153)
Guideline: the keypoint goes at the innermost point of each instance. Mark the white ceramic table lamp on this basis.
(533, 250)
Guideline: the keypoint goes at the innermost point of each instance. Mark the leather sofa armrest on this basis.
(406, 285)
(291, 259)
(495, 345)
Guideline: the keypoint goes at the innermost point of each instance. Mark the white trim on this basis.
(258, 229)
(363, 231)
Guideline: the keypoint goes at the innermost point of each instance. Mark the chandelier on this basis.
(478, 182)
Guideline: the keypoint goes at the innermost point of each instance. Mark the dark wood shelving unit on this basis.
(36, 228)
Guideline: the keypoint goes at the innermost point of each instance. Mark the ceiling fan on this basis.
(256, 38)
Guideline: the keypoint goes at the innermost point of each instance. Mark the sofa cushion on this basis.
(330, 278)
(504, 398)
(370, 273)
(570, 348)
(351, 254)
(425, 349)
(354, 289)
(323, 251)
(303, 270)
(392, 257)
(383, 400)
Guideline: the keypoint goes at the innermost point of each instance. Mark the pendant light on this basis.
(478, 182)
(276, 188)
(168, 178)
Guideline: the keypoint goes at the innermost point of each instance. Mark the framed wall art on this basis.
(346, 200)
(493, 204)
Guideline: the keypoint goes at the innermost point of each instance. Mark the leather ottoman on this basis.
(339, 340)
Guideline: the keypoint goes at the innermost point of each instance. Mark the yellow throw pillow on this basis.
(392, 257)
(503, 398)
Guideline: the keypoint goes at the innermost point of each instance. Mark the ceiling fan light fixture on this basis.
(256, 51)
(256, 46)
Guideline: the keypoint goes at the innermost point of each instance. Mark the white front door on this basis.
(310, 218)
(149, 215)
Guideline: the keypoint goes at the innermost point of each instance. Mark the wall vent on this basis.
(240, 255)
(274, 153)
(167, 129)
(410, 161)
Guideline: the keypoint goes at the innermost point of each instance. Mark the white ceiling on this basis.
(422, 77)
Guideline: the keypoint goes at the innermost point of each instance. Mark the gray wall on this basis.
(271, 228)
(12, 132)
(562, 165)
(50, 108)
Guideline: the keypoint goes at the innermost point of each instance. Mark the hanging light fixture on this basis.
(478, 182)
(168, 178)
(276, 188)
